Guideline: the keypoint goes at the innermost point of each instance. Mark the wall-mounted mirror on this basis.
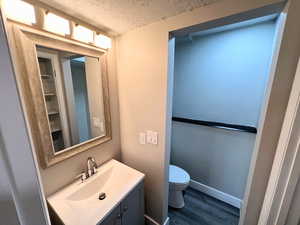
(65, 89)
(72, 88)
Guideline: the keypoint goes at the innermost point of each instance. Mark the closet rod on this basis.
(227, 126)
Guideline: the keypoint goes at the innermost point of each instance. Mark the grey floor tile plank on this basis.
(201, 209)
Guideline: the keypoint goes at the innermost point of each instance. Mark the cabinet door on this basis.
(132, 207)
(114, 218)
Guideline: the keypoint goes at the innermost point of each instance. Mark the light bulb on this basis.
(20, 11)
(57, 24)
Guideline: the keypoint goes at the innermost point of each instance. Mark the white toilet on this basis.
(179, 180)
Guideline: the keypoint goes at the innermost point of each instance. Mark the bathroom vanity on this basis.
(113, 196)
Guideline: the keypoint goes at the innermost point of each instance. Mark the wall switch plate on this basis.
(142, 138)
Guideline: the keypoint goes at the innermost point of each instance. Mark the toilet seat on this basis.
(178, 176)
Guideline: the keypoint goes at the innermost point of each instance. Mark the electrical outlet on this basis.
(96, 122)
(152, 137)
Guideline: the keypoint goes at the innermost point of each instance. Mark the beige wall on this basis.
(143, 86)
(63, 173)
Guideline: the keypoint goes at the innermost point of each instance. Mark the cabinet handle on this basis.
(119, 216)
(125, 209)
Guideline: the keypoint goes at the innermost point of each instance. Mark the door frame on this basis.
(22, 174)
(278, 36)
(282, 74)
(286, 167)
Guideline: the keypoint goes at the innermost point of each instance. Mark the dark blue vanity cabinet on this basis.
(130, 211)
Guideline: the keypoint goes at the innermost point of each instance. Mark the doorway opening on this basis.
(221, 81)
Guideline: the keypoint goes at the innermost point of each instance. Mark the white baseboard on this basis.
(236, 202)
(150, 221)
(167, 221)
(153, 222)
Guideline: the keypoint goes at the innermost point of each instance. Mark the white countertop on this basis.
(78, 203)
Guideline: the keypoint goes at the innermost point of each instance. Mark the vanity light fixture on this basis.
(102, 41)
(24, 12)
(56, 24)
(20, 11)
(83, 34)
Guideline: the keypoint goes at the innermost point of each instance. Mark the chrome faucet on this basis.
(91, 167)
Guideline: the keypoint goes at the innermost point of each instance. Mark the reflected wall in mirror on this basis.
(72, 89)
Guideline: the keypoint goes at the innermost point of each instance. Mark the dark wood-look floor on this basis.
(201, 209)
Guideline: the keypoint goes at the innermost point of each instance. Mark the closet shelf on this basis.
(55, 130)
(49, 94)
(53, 113)
(46, 76)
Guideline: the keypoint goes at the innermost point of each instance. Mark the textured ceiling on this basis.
(119, 16)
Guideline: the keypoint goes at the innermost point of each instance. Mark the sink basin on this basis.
(91, 188)
(79, 204)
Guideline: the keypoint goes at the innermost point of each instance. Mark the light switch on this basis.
(154, 138)
(142, 138)
(149, 137)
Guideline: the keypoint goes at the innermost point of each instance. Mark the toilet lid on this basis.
(178, 175)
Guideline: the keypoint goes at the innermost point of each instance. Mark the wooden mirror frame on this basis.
(25, 41)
